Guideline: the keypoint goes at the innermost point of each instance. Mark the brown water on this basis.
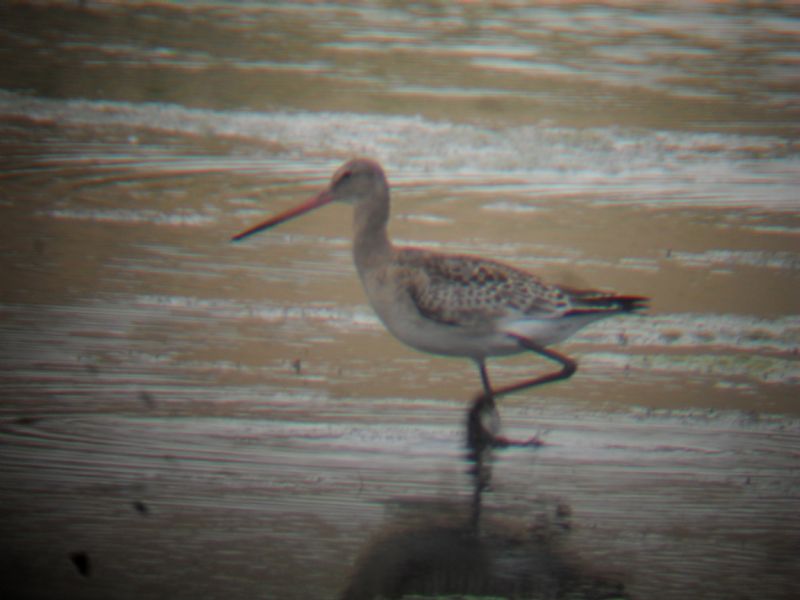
(182, 417)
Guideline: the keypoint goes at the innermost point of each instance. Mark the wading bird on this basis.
(455, 305)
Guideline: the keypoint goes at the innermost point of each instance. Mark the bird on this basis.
(455, 304)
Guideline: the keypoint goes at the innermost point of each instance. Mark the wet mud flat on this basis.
(185, 418)
(139, 502)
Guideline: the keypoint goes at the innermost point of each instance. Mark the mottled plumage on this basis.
(465, 290)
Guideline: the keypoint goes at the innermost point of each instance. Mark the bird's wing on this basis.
(595, 301)
(471, 291)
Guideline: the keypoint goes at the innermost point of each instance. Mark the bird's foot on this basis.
(483, 425)
(504, 442)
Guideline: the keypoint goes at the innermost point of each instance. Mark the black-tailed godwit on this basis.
(455, 305)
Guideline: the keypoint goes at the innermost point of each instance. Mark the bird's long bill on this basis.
(320, 199)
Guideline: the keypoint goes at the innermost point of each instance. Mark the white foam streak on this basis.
(659, 167)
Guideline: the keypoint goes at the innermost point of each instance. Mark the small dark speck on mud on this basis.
(147, 399)
(82, 563)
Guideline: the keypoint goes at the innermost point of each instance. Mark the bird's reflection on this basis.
(435, 552)
(441, 548)
(483, 437)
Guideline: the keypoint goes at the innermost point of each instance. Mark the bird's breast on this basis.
(390, 292)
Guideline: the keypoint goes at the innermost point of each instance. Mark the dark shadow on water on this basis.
(434, 551)
(482, 439)
(449, 549)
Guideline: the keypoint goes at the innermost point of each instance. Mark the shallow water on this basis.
(196, 418)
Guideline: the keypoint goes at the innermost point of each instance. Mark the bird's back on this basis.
(462, 289)
(489, 296)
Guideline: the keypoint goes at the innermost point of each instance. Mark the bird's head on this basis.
(360, 180)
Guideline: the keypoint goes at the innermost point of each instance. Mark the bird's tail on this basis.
(592, 301)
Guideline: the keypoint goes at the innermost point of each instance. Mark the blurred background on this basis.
(182, 417)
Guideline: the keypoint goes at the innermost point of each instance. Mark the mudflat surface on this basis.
(189, 418)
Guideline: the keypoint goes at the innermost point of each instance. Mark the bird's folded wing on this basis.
(470, 291)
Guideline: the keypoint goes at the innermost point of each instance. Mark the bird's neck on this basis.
(371, 245)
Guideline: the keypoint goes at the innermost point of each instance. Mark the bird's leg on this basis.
(487, 386)
(483, 421)
(568, 367)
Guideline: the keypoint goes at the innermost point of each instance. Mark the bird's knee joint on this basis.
(569, 369)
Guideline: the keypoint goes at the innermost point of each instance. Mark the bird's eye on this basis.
(344, 176)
